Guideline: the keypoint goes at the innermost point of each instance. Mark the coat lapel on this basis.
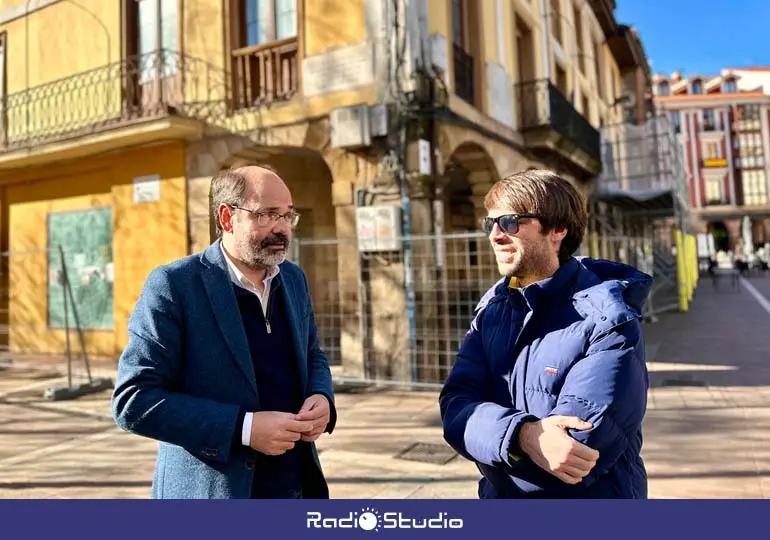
(224, 305)
(292, 301)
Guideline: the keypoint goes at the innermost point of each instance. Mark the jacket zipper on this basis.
(267, 314)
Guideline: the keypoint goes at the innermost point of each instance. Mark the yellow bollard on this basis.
(694, 255)
(681, 271)
(688, 273)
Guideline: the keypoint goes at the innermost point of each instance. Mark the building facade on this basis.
(381, 116)
(722, 123)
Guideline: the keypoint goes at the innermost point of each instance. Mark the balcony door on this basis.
(152, 56)
(465, 50)
(264, 40)
(526, 72)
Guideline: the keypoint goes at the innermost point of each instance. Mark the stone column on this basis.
(375, 334)
(427, 276)
(352, 301)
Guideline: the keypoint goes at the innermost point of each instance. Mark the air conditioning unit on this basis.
(350, 127)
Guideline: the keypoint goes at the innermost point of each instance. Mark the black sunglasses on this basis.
(508, 223)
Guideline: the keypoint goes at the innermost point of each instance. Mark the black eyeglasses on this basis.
(508, 223)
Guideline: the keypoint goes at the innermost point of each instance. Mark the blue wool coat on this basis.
(187, 372)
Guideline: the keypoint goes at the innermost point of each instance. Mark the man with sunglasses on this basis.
(549, 388)
(223, 365)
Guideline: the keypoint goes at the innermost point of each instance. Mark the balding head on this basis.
(249, 183)
(254, 215)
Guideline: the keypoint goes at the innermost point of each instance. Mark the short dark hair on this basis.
(228, 187)
(545, 193)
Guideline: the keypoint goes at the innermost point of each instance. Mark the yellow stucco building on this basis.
(116, 113)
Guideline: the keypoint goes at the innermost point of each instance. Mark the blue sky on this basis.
(700, 36)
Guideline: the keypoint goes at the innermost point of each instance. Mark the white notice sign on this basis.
(146, 189)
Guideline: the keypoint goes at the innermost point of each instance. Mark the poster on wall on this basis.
(85, 236)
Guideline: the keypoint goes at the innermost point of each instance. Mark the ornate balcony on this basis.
(551, 125)
(265, 73)
(138, 89)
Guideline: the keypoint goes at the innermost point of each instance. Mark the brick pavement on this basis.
(706, 433)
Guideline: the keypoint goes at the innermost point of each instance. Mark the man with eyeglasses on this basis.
(548, 391)
(223, 365)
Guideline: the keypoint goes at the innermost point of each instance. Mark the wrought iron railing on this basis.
(265, 73)
(544, 106)
(135, 89)
(463, 74)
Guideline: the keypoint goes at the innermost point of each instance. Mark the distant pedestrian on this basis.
(549, 389)
(223, 364)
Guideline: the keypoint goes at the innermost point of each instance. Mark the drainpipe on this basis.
(546, 38)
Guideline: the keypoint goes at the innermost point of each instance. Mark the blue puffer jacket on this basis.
(569, 345)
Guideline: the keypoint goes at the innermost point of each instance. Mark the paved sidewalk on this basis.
(73, 450)
(707, 433)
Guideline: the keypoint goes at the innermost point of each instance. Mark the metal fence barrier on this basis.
(379, 320)
(361, 291)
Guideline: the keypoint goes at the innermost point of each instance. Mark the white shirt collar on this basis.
(239, 278)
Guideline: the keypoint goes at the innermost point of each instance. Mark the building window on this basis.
(147, 46)
(751, 150)
(729, 86)
(555, 17)
(754, 187)
(664, 89)
(269, 20)
(561, 81)
(598, 51)
(709, 123)
(714, 185)
(676, 121)
(578, 27)
(464, 49)
(458, 23)
(747, 117)
(696, 87)
(711, 150)
(265, 60)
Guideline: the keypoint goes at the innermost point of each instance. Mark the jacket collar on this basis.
(551, 287)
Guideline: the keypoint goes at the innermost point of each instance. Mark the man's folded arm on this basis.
(608, 388)
(477, 428)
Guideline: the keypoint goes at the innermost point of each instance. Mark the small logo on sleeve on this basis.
(551, 370)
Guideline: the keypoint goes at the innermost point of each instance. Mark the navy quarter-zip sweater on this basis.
(275, 367)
